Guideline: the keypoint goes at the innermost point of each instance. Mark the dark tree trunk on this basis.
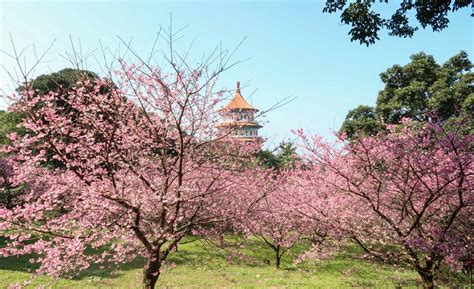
(151, 273)
(427, 279)
(277, 257)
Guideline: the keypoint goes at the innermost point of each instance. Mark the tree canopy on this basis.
(419, 90)
(362, 120)
(9, 122)
(65, 79)
(366, 22)
(61, 84)
(281, 157)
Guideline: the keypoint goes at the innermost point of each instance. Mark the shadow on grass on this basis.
(105, 270)
(16, 263)
(110, 270)
(192, 252)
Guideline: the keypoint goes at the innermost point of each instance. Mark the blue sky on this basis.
(294, 49)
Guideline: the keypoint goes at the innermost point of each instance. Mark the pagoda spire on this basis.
(238, 101)
(238, 118)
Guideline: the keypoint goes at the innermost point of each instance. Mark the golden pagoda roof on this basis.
(238, 101)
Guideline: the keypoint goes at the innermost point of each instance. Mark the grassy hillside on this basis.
(199, 265)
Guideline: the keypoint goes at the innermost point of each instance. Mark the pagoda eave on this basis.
(239, 125)
(233, 109)
(254, 138)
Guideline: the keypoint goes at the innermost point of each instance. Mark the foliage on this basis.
(410, 189)
(362, 121)
(284, 156)
(366, 23)
(10, 194)
(61, 83)
(62, 80)
(419, 90)
(9, 122)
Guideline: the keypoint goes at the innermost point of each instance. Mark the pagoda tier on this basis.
(238, 118)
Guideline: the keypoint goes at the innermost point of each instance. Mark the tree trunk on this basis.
(151, 273)
(427, 279)
(277, 257)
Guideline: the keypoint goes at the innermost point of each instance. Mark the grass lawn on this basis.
(198, 265)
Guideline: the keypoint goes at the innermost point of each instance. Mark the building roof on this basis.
(238, 101)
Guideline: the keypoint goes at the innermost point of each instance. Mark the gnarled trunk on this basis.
(151, 272)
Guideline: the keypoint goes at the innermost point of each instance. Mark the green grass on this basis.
(198, 265)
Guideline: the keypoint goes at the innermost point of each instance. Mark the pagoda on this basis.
(238, 118)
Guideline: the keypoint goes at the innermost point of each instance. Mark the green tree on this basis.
(283, 156)
(419, 90)
(366, 23)
(61, 80)
(362, 120)
(9, 122)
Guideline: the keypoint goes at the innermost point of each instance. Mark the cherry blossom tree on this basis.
(273, 219)
(141, 167)
(320, 209)
(411, 189)
(289, 214)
